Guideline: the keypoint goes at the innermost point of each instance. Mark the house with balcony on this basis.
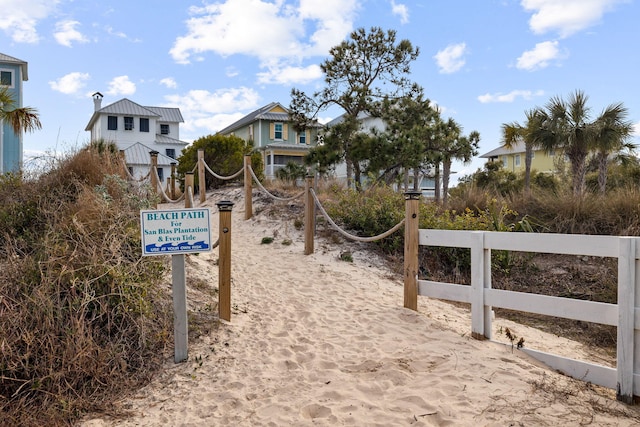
(137, 131)
(513, 158)
(13, 72)
(272, 133)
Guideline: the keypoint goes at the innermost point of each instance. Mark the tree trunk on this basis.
(406, 180)
(436, 183)
(527, 169)
(416, 179)
(602, 172)
(357, 175)
(446, 173)
(578, 169)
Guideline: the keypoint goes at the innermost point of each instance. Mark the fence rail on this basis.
(624, 315)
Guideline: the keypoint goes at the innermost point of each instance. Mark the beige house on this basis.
(513, 159)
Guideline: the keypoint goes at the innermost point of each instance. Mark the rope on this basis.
(216, 244)
(219, 176)
(282, 199)
(133, 178)
(351, 236)
(164, 195)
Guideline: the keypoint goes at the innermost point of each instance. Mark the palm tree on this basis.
(24, 119)
(455, 147)
(565, 126)
(529, 134)
(612, 130)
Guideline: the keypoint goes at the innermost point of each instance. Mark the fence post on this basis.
(248, 191)
(626, 319)
(202, 183)
(309, 216)
(188, 183)
(173, 180)
(224, 261)
(154, 172)
(478, 310)
(411, 241)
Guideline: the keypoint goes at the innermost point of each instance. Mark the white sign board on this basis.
(179, 231)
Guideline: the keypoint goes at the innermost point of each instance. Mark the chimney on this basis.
(97, 101)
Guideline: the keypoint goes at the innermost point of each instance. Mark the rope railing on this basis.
(352, 236)
(162, 192)
(133, 178)
(282, 199)
(235, 175)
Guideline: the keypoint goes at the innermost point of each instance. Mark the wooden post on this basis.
(180, 323)
(411, 240)
(626, 319)
(202, 184)
(188, 183)
(173, 180)
(309, 216)
(248, 191)
(154, 172)
(224, 261)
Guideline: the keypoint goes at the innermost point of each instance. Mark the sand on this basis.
(314, 340)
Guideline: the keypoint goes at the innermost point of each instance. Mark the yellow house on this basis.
(513, 158)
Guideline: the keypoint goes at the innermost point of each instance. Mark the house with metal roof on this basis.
(13, 72)
(272, 133)
(513, 158)
(137, 131)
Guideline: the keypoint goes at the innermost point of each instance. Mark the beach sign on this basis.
(176, 231)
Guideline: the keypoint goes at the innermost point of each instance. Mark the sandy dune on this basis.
(314, 340)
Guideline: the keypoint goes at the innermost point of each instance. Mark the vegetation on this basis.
(223, 154)
(81, 313)
(362, 70)
(24, 119)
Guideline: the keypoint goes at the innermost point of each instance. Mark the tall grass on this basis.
(81, 312)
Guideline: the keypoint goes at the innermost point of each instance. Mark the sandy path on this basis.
(318, 341)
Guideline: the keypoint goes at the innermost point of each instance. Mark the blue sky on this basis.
(484, 63)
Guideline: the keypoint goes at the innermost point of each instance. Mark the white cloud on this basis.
(19, 18)
(279, 34)
(290, 75)
(209, 112)
(539, 56)
(509, 97)
(566, 17)
(169, 82)
(451, 58)
(66, 33)
(70, 84)
(401, 10)
(121, 85)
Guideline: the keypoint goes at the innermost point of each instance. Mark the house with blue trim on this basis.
(13, 72)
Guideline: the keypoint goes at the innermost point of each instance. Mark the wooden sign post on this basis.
(224, 263)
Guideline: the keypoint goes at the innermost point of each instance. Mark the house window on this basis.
(302, 138)
(161, 174)
(250, 132)
(171, 152)
(505, 161)
(144, 124)
(6, 78)
(164, 129)
(277, 131)
(128, 123)
(112, 123)
(517, 160)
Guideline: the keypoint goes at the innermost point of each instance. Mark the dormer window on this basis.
(128, 123)
(164, 129)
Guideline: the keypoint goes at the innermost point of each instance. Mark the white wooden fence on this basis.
(625, 315)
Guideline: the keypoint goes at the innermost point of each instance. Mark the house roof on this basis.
(128, 107)
(164, 139)
(502, 150)
(263, 113)
(138, 154)
(10, 59)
